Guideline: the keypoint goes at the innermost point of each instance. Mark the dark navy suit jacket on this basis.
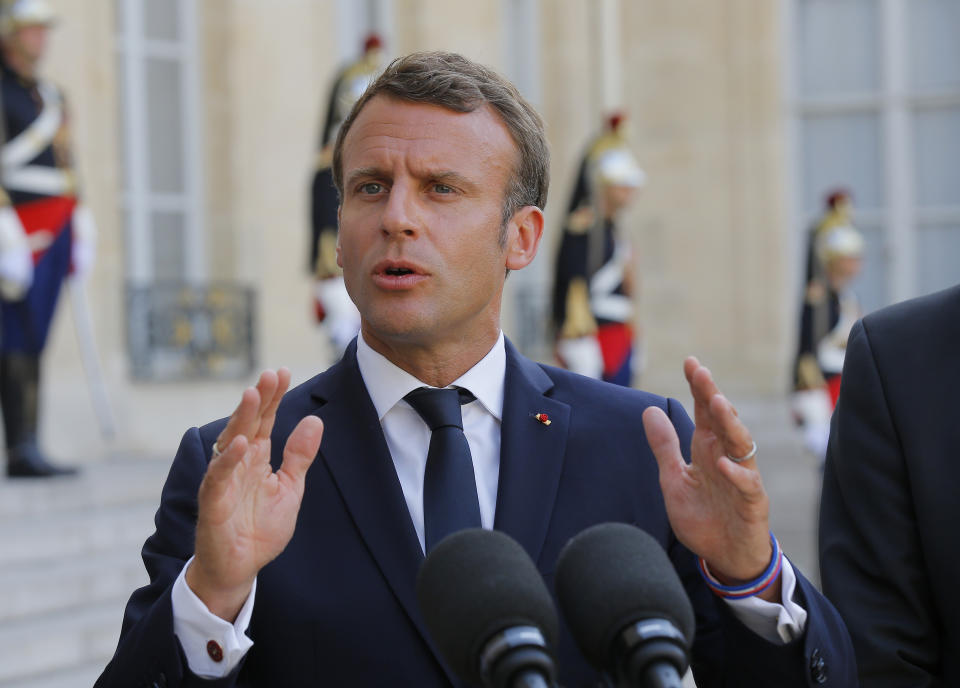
(338, 606)
(890, 511)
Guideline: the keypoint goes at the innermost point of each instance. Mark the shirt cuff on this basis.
(213, 647)
(776, 623)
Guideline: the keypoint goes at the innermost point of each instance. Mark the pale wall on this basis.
(704, 90)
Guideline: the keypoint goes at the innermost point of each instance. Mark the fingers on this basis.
(269, 412)
(243, 417)
(663, 441)
(301, 448)
(221, 468)
(702, 387)
(730, 430)
(267, 386)
(714, 412)
(256, 412)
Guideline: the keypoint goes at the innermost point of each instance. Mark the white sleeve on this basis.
(202, 633)
(777, 623)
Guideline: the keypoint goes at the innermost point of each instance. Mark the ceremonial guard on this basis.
(593, 287)
(332, 305)
(45, 234)
(830, 309)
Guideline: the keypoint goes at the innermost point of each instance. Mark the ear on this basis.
(524, 232)
(339, 253)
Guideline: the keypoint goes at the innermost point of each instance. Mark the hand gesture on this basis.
(717, 508)
(246, 512)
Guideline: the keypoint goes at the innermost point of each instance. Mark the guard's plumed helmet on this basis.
(618, 167)
(840, 242)
(15, 14)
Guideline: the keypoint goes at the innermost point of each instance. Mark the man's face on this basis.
(420, 217)
(616, 197)
(32, 41)
(842, 269)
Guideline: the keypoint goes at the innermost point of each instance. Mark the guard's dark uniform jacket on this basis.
(38, 179)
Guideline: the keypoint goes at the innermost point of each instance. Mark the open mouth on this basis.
(398, 272)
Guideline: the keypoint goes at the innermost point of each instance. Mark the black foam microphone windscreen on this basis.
(474, 584)
(612, 575)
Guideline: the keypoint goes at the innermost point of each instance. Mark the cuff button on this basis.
(215, 651)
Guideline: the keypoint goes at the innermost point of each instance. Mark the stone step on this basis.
(106, 483)
(82, 676)
(32, 589)
(69, 559)
(81, 533)
(46, 644)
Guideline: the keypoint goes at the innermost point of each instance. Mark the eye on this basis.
(371, 188)
(442, 188)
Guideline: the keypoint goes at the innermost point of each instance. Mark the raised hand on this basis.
(246, 512)
(717, 508)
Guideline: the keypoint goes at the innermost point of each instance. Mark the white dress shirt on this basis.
(408, 439)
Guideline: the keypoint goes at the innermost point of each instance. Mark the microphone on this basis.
(488, 610)
(626, 607)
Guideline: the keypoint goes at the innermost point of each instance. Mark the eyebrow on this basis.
(454, 178)
(442, 176)
(361, 172)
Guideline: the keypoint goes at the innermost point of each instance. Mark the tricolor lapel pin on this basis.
(543, 418)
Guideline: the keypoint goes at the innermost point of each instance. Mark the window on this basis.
(161, 180)
(875, 105)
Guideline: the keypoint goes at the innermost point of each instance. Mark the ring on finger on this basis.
(749, 455)
(217, 451)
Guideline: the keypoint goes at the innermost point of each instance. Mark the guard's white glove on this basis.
(16, 258)
(340, 316)
(84, 242)
(581, 355)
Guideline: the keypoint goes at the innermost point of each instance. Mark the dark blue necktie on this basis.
(449, 487)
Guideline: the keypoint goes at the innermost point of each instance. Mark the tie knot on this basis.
(439, 408)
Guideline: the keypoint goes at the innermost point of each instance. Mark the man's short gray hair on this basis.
(456, 83)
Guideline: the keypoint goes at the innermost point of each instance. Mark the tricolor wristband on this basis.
(751, 588)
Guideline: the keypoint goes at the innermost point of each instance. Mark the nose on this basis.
(400, 213)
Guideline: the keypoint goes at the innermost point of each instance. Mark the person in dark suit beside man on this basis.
(889, 509)
(282, 560)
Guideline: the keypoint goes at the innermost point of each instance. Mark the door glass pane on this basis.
(161, 18)
(839, 46)
(938, 257)
(934, 49)
(936, 135)
(168, 242)
(842, 151)
(165, 125)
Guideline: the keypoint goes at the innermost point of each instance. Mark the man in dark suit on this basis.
(889, 511)
(304, 555)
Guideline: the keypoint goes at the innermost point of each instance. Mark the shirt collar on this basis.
(387, 384)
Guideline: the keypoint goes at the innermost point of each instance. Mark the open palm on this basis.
(246, 511)
(717, 508)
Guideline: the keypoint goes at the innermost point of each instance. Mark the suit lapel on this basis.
(531, 453)
(357, 457)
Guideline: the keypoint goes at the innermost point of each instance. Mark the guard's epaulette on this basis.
(580, 220)
(323, 158)
(606, 141)
(361, 67)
